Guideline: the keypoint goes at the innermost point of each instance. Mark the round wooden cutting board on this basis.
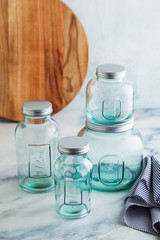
(44, 54)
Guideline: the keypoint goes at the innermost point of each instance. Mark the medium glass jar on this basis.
(116, 152)
(73, 175)
(109, 99)
(37, 138)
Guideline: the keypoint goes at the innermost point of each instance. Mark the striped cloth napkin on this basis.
(142, 205)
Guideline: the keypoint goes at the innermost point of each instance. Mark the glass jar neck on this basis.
(37, 119)
(109, 80)
(74, 157)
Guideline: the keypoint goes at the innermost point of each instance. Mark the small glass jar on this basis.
(109, 99)
(37, 138)
(116, 152)
(73, 175)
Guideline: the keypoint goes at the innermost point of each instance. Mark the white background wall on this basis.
(128, 33)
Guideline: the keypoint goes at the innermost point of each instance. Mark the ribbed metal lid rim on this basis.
(70, 150)
(46, 108)
(119, 127)
(110, 71)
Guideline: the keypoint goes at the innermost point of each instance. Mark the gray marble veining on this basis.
(25, 216)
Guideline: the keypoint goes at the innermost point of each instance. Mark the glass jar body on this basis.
(109, 101)
(73, 175)
(116, 158)
(36, 149)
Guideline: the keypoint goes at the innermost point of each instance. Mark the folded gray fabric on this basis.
(142, 205)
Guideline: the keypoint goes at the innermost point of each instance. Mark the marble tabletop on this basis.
(25, 216)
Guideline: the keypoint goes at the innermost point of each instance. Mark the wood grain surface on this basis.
(43, 54)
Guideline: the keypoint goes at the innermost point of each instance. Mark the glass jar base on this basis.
(37, 185)
(73, 212)
(98, 186)
(97, 117)
(118, 180)
(111, 189)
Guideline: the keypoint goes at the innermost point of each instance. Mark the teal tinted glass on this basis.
(36, 148)
(73, 175)
(109, 98)
(116, 157)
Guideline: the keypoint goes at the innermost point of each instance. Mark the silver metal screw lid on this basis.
(73, 145)
(114, 128)
(37, 108)
(110, 71)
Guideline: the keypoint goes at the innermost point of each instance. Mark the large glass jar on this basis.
(116, 152)
(109, 98)
(37, 138)
(73, 175)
